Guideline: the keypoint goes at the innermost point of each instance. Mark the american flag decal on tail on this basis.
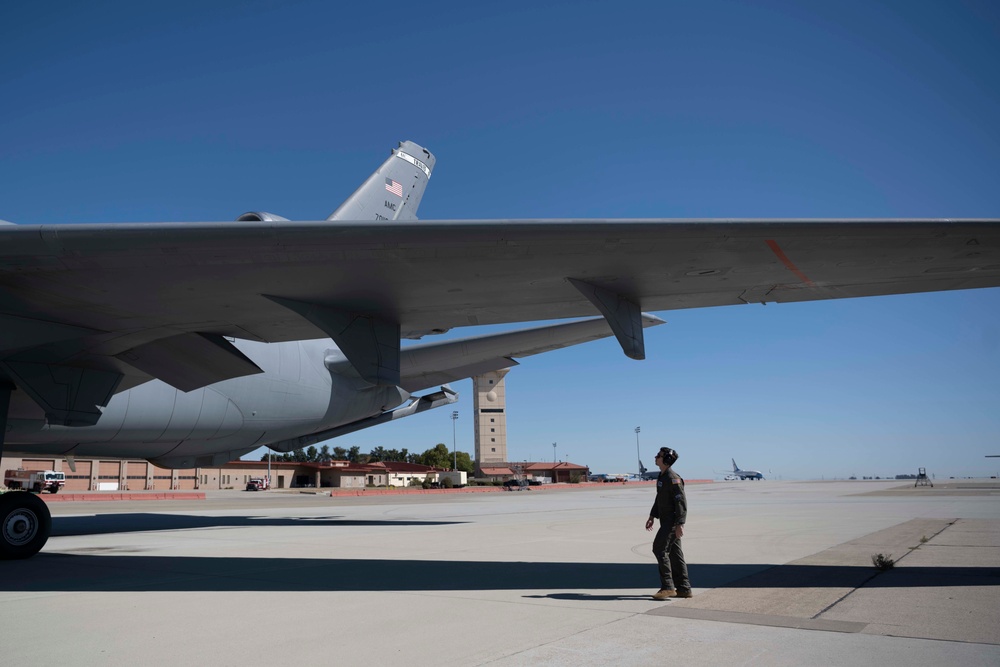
(394, 187)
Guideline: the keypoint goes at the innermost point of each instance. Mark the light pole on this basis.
(454, 451)
(637, 455)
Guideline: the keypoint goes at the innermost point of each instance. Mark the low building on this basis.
(131, 475)
(495, 473)
(555, 471)
(111, 474)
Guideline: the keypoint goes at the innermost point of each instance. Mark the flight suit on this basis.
(670, 507)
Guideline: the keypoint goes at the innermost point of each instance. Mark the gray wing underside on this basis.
(425, 365)
(149, 300)
(427, 276)
(431, 364)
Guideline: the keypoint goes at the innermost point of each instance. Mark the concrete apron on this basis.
(943, 586)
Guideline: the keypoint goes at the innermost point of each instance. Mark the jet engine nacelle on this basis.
(260, 216)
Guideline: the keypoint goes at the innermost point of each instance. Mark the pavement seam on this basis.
(770, 620)
(845, 596)
(878, 572)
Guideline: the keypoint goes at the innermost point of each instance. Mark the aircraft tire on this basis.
(25, 524)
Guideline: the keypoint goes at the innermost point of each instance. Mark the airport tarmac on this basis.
(782, 574)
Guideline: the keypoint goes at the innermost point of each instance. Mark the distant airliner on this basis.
(191, 344)
(647, 474)
(745, 474)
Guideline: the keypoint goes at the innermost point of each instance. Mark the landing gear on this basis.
(25, 524)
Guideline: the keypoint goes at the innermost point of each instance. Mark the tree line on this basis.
(438, 456)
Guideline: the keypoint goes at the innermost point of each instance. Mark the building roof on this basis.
(402, 466)
(497, 471)
(377, 466)
(532, 466)
(291, 464)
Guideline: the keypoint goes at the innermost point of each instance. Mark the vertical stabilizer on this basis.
(394, 191)
(735, 467)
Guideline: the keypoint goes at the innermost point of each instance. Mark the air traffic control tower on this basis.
(490, 406)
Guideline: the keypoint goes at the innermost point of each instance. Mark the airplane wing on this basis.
(426, 365)
(88, 310)
(438, 363)
(431, 364)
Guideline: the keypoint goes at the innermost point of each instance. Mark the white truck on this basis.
(35, 480)
(459, 478)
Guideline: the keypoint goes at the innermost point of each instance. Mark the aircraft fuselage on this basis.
(296, 394)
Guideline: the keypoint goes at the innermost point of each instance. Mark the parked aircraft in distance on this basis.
(645, 474)
(744, 474)
(608, 477)
(191, 344)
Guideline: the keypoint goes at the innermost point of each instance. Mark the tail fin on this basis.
(394, 191)
(735, 467)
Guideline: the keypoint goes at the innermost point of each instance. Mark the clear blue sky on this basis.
(123, 111)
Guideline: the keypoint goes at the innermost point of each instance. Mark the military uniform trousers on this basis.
(670, 559)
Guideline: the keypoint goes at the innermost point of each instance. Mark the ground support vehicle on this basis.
(257, 484)
(34, 480)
